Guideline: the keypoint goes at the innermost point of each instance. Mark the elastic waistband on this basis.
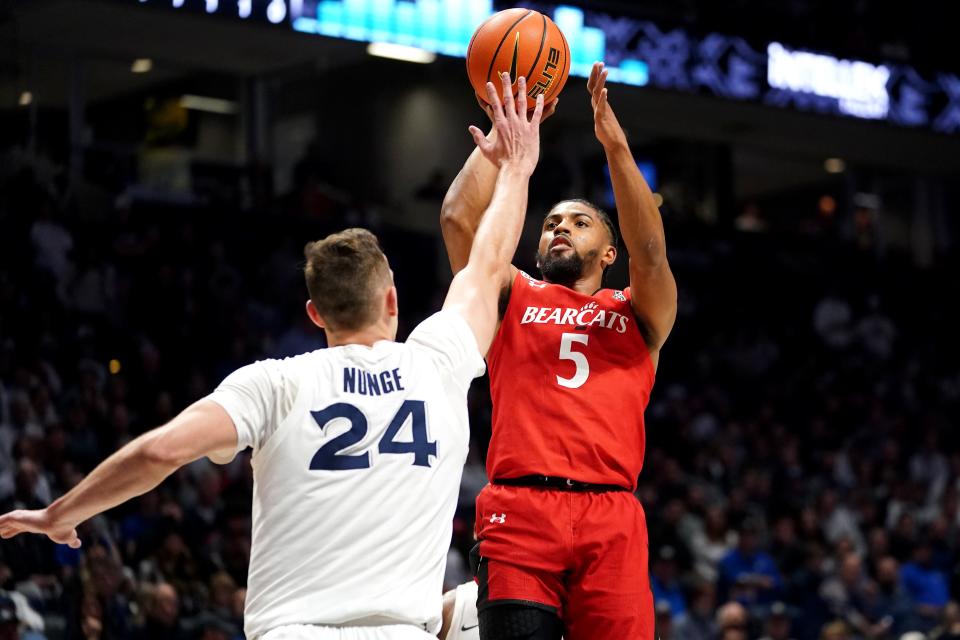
(560, 484)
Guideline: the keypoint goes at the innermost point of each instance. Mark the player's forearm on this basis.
(132, 471)
(640, 223)
(467, 198)
(499, 233)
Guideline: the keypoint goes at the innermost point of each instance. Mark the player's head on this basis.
(577, 240)
(350, 283)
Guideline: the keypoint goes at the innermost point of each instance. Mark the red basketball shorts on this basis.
(582, 555)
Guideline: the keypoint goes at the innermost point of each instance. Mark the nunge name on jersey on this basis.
(577, 317)
(371, 384)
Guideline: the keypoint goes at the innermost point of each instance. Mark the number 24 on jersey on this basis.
(329, 458)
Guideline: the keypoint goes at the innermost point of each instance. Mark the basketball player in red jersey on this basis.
(563, 540)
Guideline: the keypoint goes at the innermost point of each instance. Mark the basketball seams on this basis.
(476, 34)
(566, 53)
(493, 59)
(543, 39)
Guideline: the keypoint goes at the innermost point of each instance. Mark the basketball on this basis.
(521, 42)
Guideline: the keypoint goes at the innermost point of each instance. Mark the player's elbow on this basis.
(650, 255)
(452, 218)
(157, 449)
(489, 262)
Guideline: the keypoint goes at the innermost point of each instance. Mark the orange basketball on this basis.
(521, 42)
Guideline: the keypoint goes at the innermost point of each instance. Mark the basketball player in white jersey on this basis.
(358, 448)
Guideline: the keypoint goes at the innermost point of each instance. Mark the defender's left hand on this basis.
(605, 124)
(38, 521)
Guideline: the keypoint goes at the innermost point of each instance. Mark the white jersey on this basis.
(464, 624)
(357, 457)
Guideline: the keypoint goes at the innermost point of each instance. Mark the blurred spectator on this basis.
(664, 620)
(664, 582)
(748, 574)
(732, 622)
(926, 585)
(832, 318)
(162, 613)
(778, 623)
(712, 543)
(893, 602)
(835, 631)
(949, 629)
(697, 622)
(9, 620)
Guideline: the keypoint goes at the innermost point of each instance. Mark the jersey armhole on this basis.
(506, 300)
(503, 302)
(641, 329)
(282, 425)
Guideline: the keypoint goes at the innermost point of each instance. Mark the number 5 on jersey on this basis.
(329, 458)
(567, 341)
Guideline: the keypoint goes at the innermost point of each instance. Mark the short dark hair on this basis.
(603, 215)
(344, 272)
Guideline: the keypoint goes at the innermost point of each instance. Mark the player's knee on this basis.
(519, 622)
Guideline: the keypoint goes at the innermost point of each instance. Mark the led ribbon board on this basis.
(636, 52)
(445, 27)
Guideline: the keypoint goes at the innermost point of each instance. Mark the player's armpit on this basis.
(653, 296)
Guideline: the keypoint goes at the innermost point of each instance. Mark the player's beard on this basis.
(563, 269)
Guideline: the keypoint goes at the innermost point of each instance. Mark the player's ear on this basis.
(314, 315)
(609, 256)
(393, 304)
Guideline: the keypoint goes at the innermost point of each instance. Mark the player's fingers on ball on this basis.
(537, 111)
(507, 92)
(493, 99)
(522, 96)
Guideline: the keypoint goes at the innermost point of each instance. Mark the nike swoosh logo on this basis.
(463, 628)
(516, 54)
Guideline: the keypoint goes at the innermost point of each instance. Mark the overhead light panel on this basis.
(401, 52)
(26, 99)
(142, 65)
(210, 105)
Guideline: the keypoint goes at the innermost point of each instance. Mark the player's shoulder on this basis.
(533, 283)
(300, 361)
(620, 296)
(445, 323)
(292, 370)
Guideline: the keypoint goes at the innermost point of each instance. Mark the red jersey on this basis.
(570, 377)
